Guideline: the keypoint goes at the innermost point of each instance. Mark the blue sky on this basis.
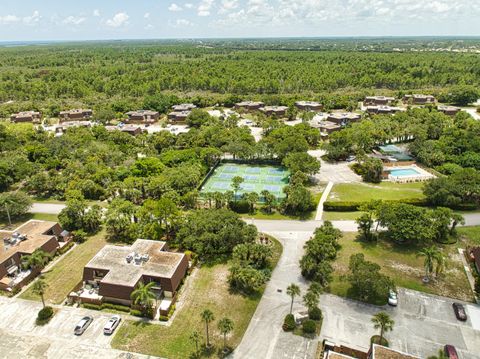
(142, 19)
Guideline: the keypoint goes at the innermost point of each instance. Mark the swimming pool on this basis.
(403, 172)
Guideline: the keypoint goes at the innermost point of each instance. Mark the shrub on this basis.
(477, 285)
(65, 248)
(240, 206)
(92, 306)
(79, 236)
(309, 326)
(350, 206)
(44, 315)
(136, 313)
(118, 307)
(289, 323)
(315, 314)
(171, 311)
(163, 318)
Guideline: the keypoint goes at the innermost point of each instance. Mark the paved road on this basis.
(49, 208)
(21, 338)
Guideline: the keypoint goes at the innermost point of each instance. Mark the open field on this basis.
(366, 191)
(65, 274)
(403, 265)
(341, 216)
(208, 288)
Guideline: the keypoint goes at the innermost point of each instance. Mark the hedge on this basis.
(66, 247)
(120, 308)
(44, 316)
(136, 313)
(350, 206)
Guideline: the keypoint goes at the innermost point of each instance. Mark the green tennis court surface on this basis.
(255, 179)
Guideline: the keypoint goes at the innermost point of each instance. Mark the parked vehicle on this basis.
(392, 298)
(450, 352)
(111, 325)
(82, 325)
(459, 310)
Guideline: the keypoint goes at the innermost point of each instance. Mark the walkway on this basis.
(324, 197)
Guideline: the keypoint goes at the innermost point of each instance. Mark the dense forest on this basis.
(117, 77)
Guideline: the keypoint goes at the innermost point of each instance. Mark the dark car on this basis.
(459, 310)
(450, 352)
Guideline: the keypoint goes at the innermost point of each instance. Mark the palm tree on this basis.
(39, 287)
(312, 297)
(208, 317)
(195, 337)
(143, 295)
(236, 182)
(382, 321)
(225, 326)
(38, 259)
(429, 254)
(440, 263)
(293, 290)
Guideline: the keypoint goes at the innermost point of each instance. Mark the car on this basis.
(351, 158)
(450, 351)
(392, 298)
(82, 325)
(459, 310)
(111, 325)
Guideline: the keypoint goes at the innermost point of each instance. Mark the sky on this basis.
(33, 20)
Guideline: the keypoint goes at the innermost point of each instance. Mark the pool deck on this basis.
(421, 174)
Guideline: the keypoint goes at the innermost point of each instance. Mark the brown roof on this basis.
(34, 231)
(380, 352)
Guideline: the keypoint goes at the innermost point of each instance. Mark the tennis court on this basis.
(256, 178)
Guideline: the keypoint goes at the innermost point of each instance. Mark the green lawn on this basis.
(403, 265)
(68, 272)
(340, 216)
(470, 235)
(20, 220)
(367, 191)
(207, 289)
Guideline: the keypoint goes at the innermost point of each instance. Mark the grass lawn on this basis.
(207, 289)
(341, 216)
(403, 265)
(367, 191)
(20, 220)
(470, 235)
(68, 272)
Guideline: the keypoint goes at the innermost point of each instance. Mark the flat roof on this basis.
(183, 107)
(113, 258)
(345, 115)
(274, 108)
(381, 352)
(34, 230)
(250, 103)
(141, 113)
(308, 103)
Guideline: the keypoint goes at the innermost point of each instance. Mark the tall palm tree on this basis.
(312, 297)
(382, 321)
(225, 326)
(143, 295)
(429, 254)
(39, 287)
(208, 317)
(440, 263)
(293, 290)
(195, 337)
(38, 259)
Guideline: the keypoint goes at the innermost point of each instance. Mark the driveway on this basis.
(21, 338)
(423, 324)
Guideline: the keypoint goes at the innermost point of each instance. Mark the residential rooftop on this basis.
(381, 352)
(142, 113)
(121, 272)
(345, 115)
(183, 107)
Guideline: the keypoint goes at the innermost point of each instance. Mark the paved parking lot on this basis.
(21, 338)
(423, 324)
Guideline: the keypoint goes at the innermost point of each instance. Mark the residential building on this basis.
(249, 105)
(417, 99)
(278, 111)
(376, 352)
(183, 107)
(475, 256)
(142, 116)
(65, 126)
(377, 100)
(382, 110)
(327, 127)
(26, 116)
(23, 241)
(343, 118)
(115, 271)
(309, 106)
(448, 110)
(178, 116)
(131, 129)
(77, 114)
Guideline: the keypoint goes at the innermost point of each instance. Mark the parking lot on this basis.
(21, 338)
(423, 324)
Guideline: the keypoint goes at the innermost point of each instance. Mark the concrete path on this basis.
(49, 208)
(324, 197)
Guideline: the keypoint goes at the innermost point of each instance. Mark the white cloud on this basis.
(74, 20)
(96, 13)
(204, 7)
(174, 7)
(183, 23)
(148, 27)
(118, 20)
(32, 19)
(9, 19)
(146, 15)
(188, 5)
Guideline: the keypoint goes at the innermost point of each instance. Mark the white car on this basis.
(83, 325)
(111, 325)
(392, 298)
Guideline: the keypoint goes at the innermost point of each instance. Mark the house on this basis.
(475, 255)
(376, 352)
(278, 111)
(377, 100)
(26, 116)
(178, 116)
(448, 110)
(142, 116)
(183, 107)
(115, 271)
(77, 114)
(131, 129)
(309, 106)
(343, 118)
(327, 127)
(417, 99)
(65, 126)
(249, 106)
(22, 241)
(382, 110)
